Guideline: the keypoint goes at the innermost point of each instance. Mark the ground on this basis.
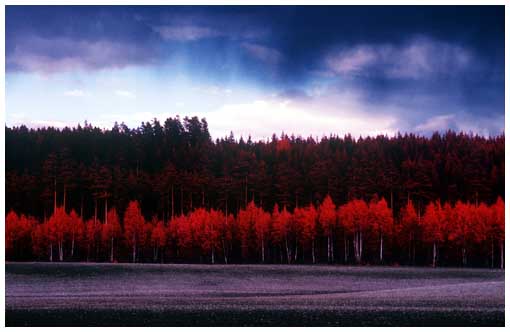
(82, 294)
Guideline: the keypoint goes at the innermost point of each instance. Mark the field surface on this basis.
(80, 294)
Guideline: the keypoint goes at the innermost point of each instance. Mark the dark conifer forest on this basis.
(166, 192)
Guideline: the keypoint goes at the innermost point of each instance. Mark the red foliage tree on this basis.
(434, 223)
(18, 234)
(482, 227)
(134, 231)
(463, 228)
(180, 231)
(327, 219)
(11, 225)
(224, 227)
(381, 221)
(354, 218)
(408, 229)
(40, 241)
(498, 228)
(76, 229)
(247, 219)
(59, 229)
(307, 220)
(111, 231)
(214, 232)
(92, 232)
(262, 230)
(159, 238)
(197, 221)
(281, 222)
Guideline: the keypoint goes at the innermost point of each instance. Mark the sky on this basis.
(259, 70)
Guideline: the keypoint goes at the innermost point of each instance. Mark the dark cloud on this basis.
(426, 58)
(63, 54)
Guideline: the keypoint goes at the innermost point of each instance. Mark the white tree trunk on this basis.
(72, 246)
(287, 251)
(356, 245)
(60, 251)
(262, 247)
(434, 255)
(224, 251)
(502, 250)
(360, 246)
(296, 251)
(381, 248)
(134, 252)
(332, 250)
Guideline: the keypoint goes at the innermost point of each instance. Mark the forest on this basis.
(169, 193)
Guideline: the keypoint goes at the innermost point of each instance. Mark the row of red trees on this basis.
(357, 231)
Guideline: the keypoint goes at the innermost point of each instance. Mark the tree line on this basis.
(356, 232)
(175, 169)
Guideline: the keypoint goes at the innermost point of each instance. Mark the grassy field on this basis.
(81, 294)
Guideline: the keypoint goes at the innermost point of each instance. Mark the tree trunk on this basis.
(95, 211)
(313, 251)
(111, 250)
(72, 246)
(172, 201)
(360, 246)
(355, 245)
(134, 251)
(287, 251)
(296, 251)
(434, 254)
(65, 192)
(391, 202)
(346, 245)
(55, 194)
(410, 248)
(224, 251)
(60, 251)
(332, 249)
(414, 252)
(502, 251)
(245, 191)
(182, 201)
(212, 255)
(105, 210)
(262, 247)
(51, 252)
(492, 252)
(81, 207)
(380, 248)
(329, 249)
(464, 256)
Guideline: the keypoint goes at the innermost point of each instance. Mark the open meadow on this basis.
(82, 294)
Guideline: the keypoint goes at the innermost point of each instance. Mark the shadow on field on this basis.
(249, 318)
